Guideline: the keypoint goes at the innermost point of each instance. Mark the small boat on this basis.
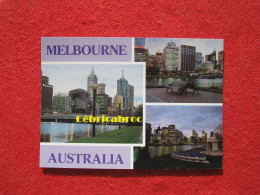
(190, 157)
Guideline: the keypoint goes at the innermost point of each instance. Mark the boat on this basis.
(196, 157)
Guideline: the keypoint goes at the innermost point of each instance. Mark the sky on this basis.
(65, 77)
(185, 118)
(205, 46)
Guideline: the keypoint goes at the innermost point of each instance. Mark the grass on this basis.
(129, 134)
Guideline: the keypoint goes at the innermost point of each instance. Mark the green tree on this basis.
(137, 113)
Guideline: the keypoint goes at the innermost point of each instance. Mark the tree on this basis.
(138, 113)
(193, 139)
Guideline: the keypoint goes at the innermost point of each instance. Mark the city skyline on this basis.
(185, 118)
(69, 76)
(205, 46)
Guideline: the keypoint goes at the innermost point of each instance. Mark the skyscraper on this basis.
(194, 133)
(159, 57)
(141, 54)
(187, 58)
(130, 96)
(102, 101)
(170, 56)
(198, 60)
(101, 88)
(46, 95)
(61, 103)
(122, 85)
(79, 101)
(92, 80)
(118, 101)
(211, 57)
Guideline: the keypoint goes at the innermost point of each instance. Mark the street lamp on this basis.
(119, 113)
(94, 87)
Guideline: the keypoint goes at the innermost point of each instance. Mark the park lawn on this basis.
(129, 134)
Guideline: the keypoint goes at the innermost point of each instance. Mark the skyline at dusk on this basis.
(185, 118)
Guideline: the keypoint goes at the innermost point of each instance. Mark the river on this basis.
(67, 132)
(204, 83)
(159, 151)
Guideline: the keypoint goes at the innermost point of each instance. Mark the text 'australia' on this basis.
(85, 158)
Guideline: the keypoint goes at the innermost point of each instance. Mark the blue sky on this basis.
(65, 77)
(206, 46)
(185, 118)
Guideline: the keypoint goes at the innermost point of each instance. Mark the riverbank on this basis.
(167, 162)
(166, 76)
(160, 95)
(145, 159)
(129, 134)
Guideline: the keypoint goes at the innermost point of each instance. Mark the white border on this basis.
(104, 63)
(183, 104)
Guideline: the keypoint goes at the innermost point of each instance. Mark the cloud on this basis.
(185, 117)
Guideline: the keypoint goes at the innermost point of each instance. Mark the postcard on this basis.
(131, 103)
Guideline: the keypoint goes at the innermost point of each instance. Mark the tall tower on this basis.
(130, 96)
(187, 58)
(46, 95)
(122, 89)
(171, 56)
(92, 80)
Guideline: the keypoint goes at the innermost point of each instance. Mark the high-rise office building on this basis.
(141, 54)
(130, 96)
(187, 58)
(102, 101)
(61, 103)
(159, 58)
(46, 95)
(152, 61)
(101, 88)
(194, 133)
(198, 60)
(80, 102)
(92, 80)
(118, 101)
(170, 56)
(212, 58)
(122, 85)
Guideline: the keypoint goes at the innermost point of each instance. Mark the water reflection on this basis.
(158, 151)
(65, 132)
(205, 83)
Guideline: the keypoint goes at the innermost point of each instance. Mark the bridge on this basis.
(72, 119)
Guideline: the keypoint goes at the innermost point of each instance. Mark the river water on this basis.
(158, 151)
(204, 83)
(67, 132)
